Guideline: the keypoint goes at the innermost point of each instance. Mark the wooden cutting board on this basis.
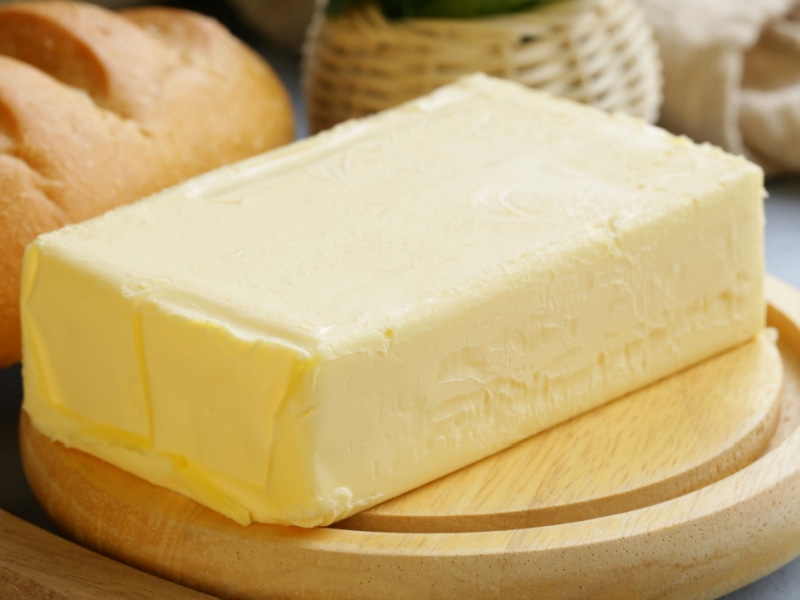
(687, 489)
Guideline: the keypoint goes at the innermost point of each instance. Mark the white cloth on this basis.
(732, 75)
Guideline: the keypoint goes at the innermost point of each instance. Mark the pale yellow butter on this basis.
(326, 326)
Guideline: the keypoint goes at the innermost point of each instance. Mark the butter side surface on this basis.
(312, 331)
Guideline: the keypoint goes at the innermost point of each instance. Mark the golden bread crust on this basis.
(100, 108)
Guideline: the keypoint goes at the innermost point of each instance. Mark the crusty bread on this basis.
(99, 109)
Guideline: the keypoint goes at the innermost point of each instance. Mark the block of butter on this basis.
(312, 331)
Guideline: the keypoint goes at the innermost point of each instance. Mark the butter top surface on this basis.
(322, 244)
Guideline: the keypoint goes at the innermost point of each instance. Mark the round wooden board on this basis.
(640, 538)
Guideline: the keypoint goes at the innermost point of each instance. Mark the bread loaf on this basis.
(99, 109)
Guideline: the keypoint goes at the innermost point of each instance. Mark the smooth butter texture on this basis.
(314, 330)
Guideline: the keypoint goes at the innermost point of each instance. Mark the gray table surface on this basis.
(782, 258)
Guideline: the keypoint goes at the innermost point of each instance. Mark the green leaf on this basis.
(454, 9)
(337, 7)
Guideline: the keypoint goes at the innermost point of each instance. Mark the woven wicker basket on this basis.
(600, 52)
